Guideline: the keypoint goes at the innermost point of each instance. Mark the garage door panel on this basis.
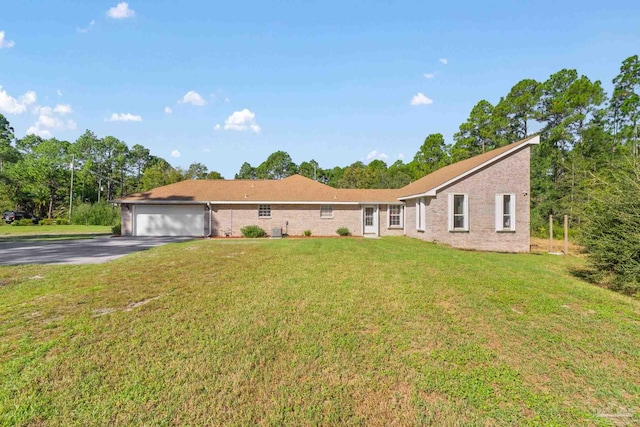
(162, 220)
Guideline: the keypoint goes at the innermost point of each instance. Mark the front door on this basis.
(370, 220)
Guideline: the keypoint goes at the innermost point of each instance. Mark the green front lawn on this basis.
(315, 331)
(8, 230)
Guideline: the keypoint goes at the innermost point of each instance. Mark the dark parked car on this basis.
(10, 216)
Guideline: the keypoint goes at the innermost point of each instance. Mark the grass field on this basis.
(390, 331)
(8, 230)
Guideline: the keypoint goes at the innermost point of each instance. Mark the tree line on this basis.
(36, 173)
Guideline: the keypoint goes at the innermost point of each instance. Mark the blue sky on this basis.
(222, 83)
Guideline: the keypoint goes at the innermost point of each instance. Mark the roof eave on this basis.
(534, 140)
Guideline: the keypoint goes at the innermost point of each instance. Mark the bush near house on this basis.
(307, 233)
(23, 222)
(101, 213)
(253, 231)
(343, 231)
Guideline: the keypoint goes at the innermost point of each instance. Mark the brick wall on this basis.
(127, 220)
(231, 218)
(509, 175)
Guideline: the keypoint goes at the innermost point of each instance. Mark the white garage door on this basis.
(164, 220)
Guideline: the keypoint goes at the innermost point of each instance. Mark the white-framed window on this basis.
(326, 211)
(421, 208)
(506, 212)
(458, 212)
(395, 216)
(264, 211)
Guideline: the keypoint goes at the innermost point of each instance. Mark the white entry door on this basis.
(370, 225)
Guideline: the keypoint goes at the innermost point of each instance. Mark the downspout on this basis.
(210, 215)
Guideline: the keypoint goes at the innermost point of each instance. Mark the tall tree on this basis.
(478, 134)
(432, 155)
(519, 108)
(277, 166)
(625, 102)
(246, 172)
(196, 171)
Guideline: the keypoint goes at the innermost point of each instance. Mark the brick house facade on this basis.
(479, 203)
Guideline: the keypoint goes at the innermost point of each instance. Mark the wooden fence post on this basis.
(550, 233)
(566, 234)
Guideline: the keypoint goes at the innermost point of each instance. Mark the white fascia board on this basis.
(159, 202)
(432, 192)
(278, 202)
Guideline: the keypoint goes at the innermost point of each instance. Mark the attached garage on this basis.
(168, 220)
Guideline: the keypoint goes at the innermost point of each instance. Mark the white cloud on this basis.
(193, 97)
(242, 120)
(444, 61)
(63, 109)
(421, 99)
(59, 92)
(87, 28)
(373, 155)
(175, 153)
(121, 11)
(217, 126)
(168, 110)
(206, 150)
(227, 100)
(400, 156)
(5, 43)
(35, 130)
(429, 75)
(48, 120)
(123, 117)
(28, 98)
(10, 105)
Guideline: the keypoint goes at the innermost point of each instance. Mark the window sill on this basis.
(506, 231)
(420, 231)
(326, 217)
(459, 230)
(395, 227)
(264, 217)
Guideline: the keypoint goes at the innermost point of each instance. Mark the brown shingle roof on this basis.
(295, 188)
(458, 169)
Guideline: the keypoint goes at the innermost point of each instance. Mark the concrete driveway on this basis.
(83, 251)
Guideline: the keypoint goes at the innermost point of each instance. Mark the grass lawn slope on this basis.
(317, 331)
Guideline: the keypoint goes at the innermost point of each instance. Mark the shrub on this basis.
(62, 221)
(116, 230)
(611, 227)
(23, 222)
(343, 231)
(253, 231)
(47, 221)
(101, 213)
(307, 233)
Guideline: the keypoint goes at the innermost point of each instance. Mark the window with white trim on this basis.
(326, 211)
(506, 212)
(264, 211)
(458, 212)
(395, 216)
(420, 213)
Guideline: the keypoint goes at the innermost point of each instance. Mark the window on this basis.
(395, 216)
(420, 213)
(505, 212)
(458, 212)
(264, 211)
(326, 211)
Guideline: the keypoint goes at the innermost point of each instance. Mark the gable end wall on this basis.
(509, 175)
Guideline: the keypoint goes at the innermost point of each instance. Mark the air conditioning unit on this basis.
(276, 233)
